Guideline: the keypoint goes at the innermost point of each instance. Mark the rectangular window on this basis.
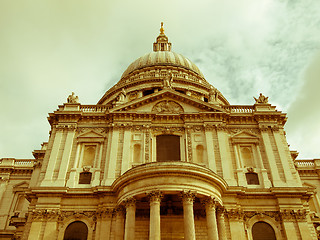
(168, 148)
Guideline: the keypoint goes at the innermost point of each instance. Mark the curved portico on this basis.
(188, 182)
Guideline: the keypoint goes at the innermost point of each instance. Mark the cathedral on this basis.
(162, 156)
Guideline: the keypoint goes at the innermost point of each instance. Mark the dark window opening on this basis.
(263, 231)
(148, 92)
(252, 178)
(85, 178)
(168, 148)
(76, 231)
(206, 99)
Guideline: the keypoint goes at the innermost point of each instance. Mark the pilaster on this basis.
(210, 149)
(271, 158)
(284, 158)
(237, 229)
(111, 162)
(226, 161)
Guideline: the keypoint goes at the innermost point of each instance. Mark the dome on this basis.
(164, 58)
(151, 73)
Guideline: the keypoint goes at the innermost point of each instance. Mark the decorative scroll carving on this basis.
(167, 107)
(147, 145)
(273, 214)
(189, 145)
(261, 99)
(235, 214)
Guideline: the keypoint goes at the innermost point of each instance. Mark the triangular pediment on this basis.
(20, 186)
(166, 102)
(244, 134)
(244, 137)
(90, 134)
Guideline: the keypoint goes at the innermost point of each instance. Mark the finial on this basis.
(161, 29)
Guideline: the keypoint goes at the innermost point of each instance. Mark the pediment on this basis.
(244, 137)
(20, 186)
(90, 136)
(167, 102)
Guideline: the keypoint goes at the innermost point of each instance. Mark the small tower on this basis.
(162, 43)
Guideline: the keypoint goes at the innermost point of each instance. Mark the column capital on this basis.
(188, 196)
(119, 210)
(221, 211)
(129, 202)
(155, 196)
(209, 202)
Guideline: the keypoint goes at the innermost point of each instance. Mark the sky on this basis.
(51, 48)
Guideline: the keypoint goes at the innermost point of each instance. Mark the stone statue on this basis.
(72, 98)
(122, 95)
(213, 94)
(261, 99)
(167, 82)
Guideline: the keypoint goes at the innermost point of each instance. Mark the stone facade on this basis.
(162, 155)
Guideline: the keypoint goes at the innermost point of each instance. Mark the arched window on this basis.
(263, 231)
(76, 231)
(168, 148)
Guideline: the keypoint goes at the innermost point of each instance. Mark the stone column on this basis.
(221, 223)
(119, 223)
(154, 228)
(130, 218)
(210, 205)
(188, 217)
